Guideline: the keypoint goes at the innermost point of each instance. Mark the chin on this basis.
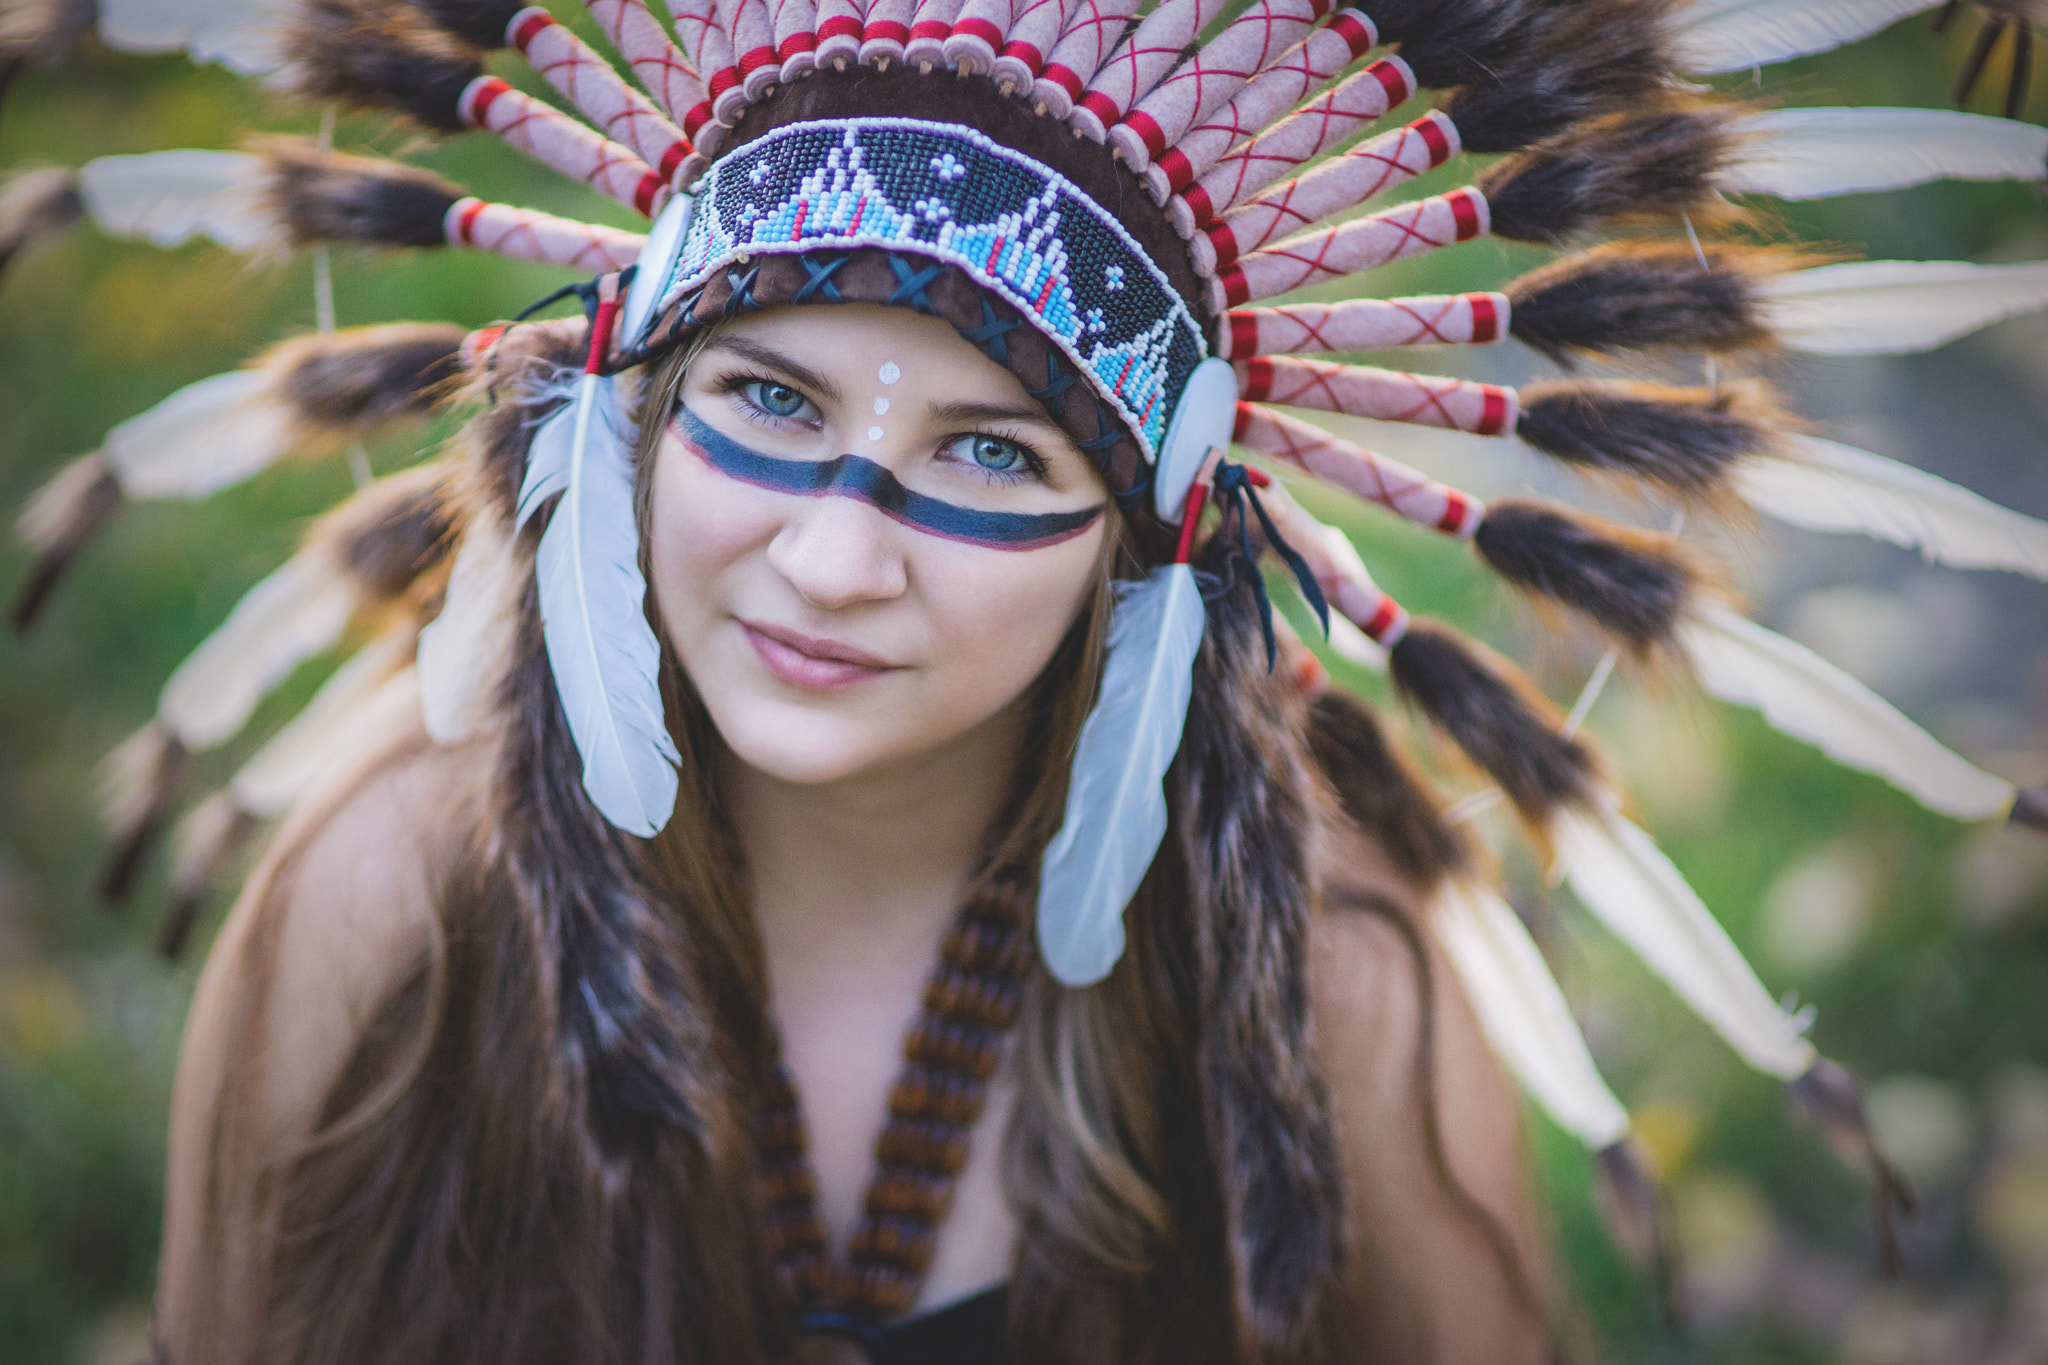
(798, 745)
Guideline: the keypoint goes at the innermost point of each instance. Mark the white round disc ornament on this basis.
(1202, 421)
(651, 271)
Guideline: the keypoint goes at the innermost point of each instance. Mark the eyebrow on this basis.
(775, 360)
(968, 414)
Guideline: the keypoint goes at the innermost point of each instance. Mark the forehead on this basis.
(867, 348)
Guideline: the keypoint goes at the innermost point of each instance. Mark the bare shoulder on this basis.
(342, 909)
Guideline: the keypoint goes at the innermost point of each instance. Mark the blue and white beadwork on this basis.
(1015, 226)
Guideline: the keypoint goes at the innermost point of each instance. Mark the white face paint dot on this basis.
(874, 433)
(891, 372)
(881, 406)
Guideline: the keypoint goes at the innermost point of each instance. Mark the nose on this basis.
(837, 551)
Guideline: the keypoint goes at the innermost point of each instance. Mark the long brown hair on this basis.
(540, 1150)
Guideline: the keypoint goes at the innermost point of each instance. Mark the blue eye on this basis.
(777, 400)
(993, 453)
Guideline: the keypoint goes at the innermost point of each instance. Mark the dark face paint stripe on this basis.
(850, 476)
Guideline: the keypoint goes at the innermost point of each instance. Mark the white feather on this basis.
(1886, 307)
(295, 613)
(1809, 698)
(203, 438)
(1831, 487)
(1813, 153)
(1632, 888)
(1732, 35)
(463, 650)
(1524, 1013)
(1116, 803)
(171, 197)
(604, 655)
(368, 699)
(242, 35)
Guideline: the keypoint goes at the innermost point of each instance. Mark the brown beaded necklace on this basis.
(970, 1002)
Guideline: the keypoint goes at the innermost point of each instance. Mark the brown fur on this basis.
(379, 54)
(1629, 166)
(365, 377)
(1381, 791)
(60, 519)
(1646, 295)
(394, 531)
(34, 205)
(1634, 585)
(1501, 723)
(1599, 57)
(1453, 42)
(1681, 440)
(323, 196)
(480, 23)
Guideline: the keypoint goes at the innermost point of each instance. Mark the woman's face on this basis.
(867, 540)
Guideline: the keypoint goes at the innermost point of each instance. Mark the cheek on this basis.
(699, 528)
(997, 618)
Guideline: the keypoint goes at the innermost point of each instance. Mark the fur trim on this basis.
(1455, 42)
(393, 532)
(65, 513)
(1627, 166)
(34, 205)
(367, 376)
(1607, 56)
(324, 196)
(141, 780)
(1381, 792)
(1633, 584)
(1637, 296)
(480, 23)
(379, 56)
(1490, 711)
(1682, 440)
(207, 840)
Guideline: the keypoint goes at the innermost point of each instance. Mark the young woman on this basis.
(383, 1150)
(853, 868)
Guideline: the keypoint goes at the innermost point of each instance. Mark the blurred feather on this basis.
(1808, 698)
(367, 700)
(1886, 307)
(295, 613)
(245, 36)
(36, 204)
(1628, 883)
(464, 650)
(1813, 153)
(1524, 1013)
(168, 198)
(63, 515)
(1116, 805)
(1732, 35)
(1830, 487)
(203, 438)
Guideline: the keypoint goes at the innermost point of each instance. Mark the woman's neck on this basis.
(859, 872)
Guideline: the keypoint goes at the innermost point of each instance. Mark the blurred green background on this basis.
(1923, 946)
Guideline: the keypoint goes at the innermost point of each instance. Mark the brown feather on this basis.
(1634, 585)
(1681, 440)
(63, 515)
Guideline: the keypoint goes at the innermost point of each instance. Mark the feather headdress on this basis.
(1139, 190)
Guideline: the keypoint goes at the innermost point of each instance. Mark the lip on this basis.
(810, 662)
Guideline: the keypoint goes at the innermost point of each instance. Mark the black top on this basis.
(968, 1332)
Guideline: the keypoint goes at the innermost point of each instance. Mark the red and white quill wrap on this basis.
(753, 46)
(1270, 96)
(930, 22)
(587, 81)
(1365, 325)
(1212, 76)
(1338, 571)
(1360, 472)
(529, 235)
(1292, 142)
(839, 29)
(1385, 395)
(1021, 55)
(657, 63)
(709, 48)
(977, 36)
(1092, 28)
(1362, 244)
(886, 31)
(1342, 182)
(794, 24)
(1136, 66)
(555, 140)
